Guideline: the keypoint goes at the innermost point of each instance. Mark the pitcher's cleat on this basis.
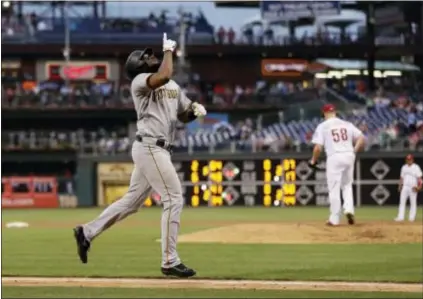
(350, 218)
(328, 223)
(179, 271)
(82, 244)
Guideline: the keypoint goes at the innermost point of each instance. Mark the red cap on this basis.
(328, 108)
(409, 157)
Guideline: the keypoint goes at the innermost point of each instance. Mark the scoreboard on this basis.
(252, 182)
(257, 181)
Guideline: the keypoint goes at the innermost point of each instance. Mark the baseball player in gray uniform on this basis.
(159, 104)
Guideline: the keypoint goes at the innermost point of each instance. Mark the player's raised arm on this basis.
(163, 75)
(154, 73)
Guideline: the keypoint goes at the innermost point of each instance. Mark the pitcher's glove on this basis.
(313, 165)
(417, 189)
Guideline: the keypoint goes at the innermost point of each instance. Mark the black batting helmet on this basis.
(136, 64)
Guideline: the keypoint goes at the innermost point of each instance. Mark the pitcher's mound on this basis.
(308, 232)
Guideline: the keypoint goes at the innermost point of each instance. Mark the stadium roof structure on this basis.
(339, 22)
(359, 5)
(344, 19)
(57, 3)
(344, 64)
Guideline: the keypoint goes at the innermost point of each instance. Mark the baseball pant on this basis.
(153, 169)
(407, 193)
(340, 176)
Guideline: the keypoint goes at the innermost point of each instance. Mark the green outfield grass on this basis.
(58, 292)
(129, 249)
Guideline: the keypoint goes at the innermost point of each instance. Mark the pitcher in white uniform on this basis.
(410, 185)
(341, 141)
(159, 104)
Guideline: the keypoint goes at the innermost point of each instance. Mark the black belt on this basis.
(160, 142)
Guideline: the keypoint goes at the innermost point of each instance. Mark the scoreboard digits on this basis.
(195, 197)
(216, 182)
(289, 186)
(267, 187)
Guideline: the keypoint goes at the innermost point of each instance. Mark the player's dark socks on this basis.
(179, 271)
(350, 218)
(83, 245)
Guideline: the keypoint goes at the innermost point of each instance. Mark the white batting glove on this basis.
(198, 109)
(168, 44)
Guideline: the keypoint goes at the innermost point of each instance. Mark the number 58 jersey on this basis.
(336, 135)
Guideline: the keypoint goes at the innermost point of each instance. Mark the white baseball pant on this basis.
(340, 177)
(153, 169)
(407, 193)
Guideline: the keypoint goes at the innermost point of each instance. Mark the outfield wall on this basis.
(262, 179)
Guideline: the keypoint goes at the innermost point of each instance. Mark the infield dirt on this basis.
(308, 233)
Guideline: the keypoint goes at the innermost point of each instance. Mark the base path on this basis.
(211, 284)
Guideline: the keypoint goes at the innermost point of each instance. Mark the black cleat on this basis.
(83, 245)
(179, 271)
(350, 218)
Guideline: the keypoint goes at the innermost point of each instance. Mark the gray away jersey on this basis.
(157, 109)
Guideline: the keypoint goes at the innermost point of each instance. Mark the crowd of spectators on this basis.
(98, 141)
(109, 94)
(396, 93)
(53, 94)
(260, 35)
(397, 135)
(412, 129)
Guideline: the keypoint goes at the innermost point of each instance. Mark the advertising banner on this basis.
(293, 10)
(289, 67)
(113, 181)
(283, 67)
(10, 71)
(29, 192)
(77, 70)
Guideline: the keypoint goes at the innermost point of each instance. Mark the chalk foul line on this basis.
(212, 284)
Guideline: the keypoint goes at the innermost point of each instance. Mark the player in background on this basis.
(410, 184)
(341, 140)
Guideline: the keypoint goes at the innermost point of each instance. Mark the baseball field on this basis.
(237, 253)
